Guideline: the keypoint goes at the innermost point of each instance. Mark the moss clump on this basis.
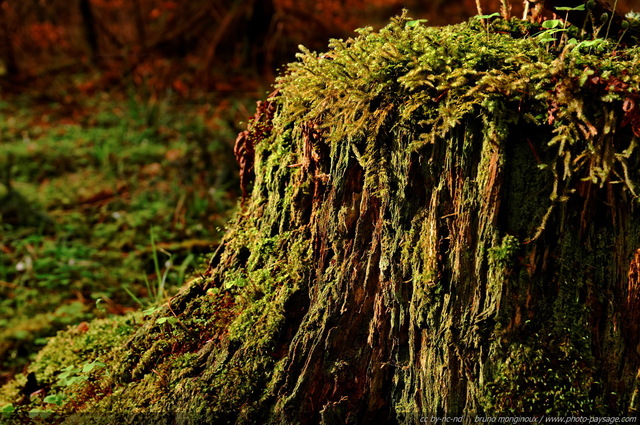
(74, 368)
(549, 369)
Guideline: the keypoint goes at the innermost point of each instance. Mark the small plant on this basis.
(505, 252)
(169, 319)
(415, 22)
(7, 409)
(56, 399)
(156, 293)
(555, 26)
(71, 374)
(485, 20)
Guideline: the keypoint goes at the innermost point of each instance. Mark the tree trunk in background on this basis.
(243, 35)
(141, 34)
(90, 33)
(260, 28)
(9, 58)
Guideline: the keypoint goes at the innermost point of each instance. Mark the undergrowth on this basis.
(84, 192)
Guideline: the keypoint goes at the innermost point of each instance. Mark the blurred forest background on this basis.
(117, 124)
(188, 46)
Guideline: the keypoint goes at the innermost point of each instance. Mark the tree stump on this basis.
(441, 222)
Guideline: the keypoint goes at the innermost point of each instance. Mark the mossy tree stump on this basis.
(438, 221)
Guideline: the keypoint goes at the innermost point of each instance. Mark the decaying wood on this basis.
(244, 146)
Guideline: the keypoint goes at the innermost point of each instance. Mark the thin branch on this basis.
(505, 9)
(479, 7)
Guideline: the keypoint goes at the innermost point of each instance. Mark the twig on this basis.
(182, 325)
(526, 10)
(505, 9)
(479, 7)
(615, 3)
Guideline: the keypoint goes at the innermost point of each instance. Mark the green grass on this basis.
(111, 205)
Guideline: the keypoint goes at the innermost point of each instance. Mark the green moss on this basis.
(549, 379)
(74, 366)
(505, 252)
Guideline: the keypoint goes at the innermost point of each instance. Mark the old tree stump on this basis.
(439, 221)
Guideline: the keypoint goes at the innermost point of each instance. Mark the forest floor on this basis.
(107, 204)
